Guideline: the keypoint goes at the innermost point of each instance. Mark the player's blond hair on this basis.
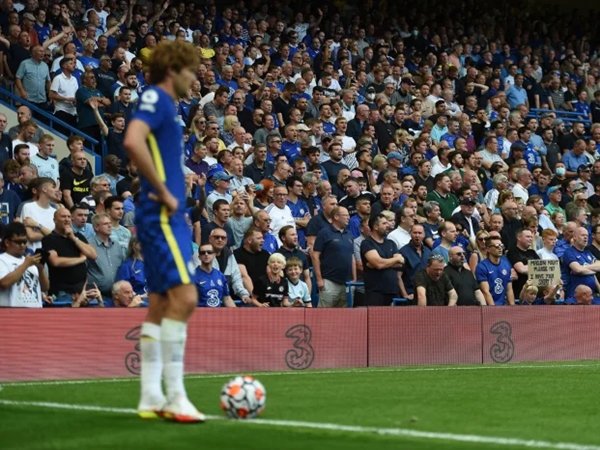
(173, 55)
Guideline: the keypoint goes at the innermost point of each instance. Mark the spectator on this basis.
(79, 215)
(103, 270)
(415, 256)
(38, 215)
(519, 256)
(432, 285)
(405, 218)
(44, 160)
(32, 79)
(271, 289)
(23, 118)
(220, 181)
(279, 211)
(75, 181)
(240, 286)
(9, 203)
(22, 278)
(381, 261)
(494, 274)
(467, 289)
(114, 208)
(68, 253)
(221, 214)
(289, 249)
(443, 195)
(579, 264)
(123, 295)
(213, 290)
(259, 168)
(448, 234)
(298, 290)
(262, 221)
(89, 98)
(25, 136)
(62, 93)
(466, 219)
(132, 269)
(549, 237)
(99, 191)
(333, 261)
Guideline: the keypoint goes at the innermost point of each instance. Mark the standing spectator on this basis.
(32, 79)
(519, 256)
(221, 214)
(549, 237)
(5, 141)
(79, 216)
(220, 181)
(114, 208)
(75, 181)
(213, 290)
(493, 274)
(405, 218)
(416, 255)
(262, 221)
(443, 195)
(88, 93)
(279, 211)
(38, 215)
(62, 93)
(448, 234)
(289, 249)
(68, 253)
(433, 286)
(25, 136)
(380, 261)
(22, 278)
(44, 160)
(333, 261)
(215, 109)
(462, 279)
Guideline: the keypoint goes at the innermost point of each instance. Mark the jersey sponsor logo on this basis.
(498, 286)
(149, 99)
(212, 298)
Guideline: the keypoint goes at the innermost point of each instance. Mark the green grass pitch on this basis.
(417, 408)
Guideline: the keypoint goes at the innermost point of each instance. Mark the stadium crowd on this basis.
(324, 144)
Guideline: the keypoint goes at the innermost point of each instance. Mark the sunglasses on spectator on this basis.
(206, 252)
(219, 237)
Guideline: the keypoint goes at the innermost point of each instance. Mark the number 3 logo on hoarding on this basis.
(302, 355)
(503, 350)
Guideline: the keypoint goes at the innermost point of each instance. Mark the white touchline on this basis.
(13, 384)
(401, 432)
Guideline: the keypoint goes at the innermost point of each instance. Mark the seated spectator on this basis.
(68, 253)
(298, 290)
(549, 238)
(102, 271)
(432, 285)
(579, 264)
(22, 278)
(213, 290)
(132, 269)
(99, 191)
(271, 289)
(124, 296)
(220, 180)
(87, 296)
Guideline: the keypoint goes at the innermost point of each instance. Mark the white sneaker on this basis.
(151, 407)
(181, 410)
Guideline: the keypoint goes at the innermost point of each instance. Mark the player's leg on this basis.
(152, 399)
(181, 303)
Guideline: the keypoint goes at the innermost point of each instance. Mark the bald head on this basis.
(583, 295)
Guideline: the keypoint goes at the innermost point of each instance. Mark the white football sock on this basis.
(151, 367)
(173, 335)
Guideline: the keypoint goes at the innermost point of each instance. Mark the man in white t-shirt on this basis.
(62, 92)
(38, 215)
(279, 212)
(22, 278)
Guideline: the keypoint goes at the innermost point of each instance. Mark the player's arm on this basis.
(137, 149)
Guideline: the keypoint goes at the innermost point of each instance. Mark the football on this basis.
(243, 397)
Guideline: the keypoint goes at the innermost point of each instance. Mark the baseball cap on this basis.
(407, 80)
(221, 176)
(557, 122)
(579, 186)
(29, 16)
(302, 127)
(394, 155)
(553, 189)
(583, 167)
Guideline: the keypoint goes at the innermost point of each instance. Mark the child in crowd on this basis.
(298, 292)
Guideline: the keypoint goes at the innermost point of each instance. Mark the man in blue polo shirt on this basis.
(516, 94)
(580, 265)
(333, 259)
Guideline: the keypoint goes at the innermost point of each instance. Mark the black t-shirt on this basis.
(516, 255)
(79, 185)
(464, 283)
(270, 292)
(124, 185)
(256, 263)
(436, 291)
(295, 253)
(383, 281)
(67, 279)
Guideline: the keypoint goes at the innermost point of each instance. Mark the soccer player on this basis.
(154, 143)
